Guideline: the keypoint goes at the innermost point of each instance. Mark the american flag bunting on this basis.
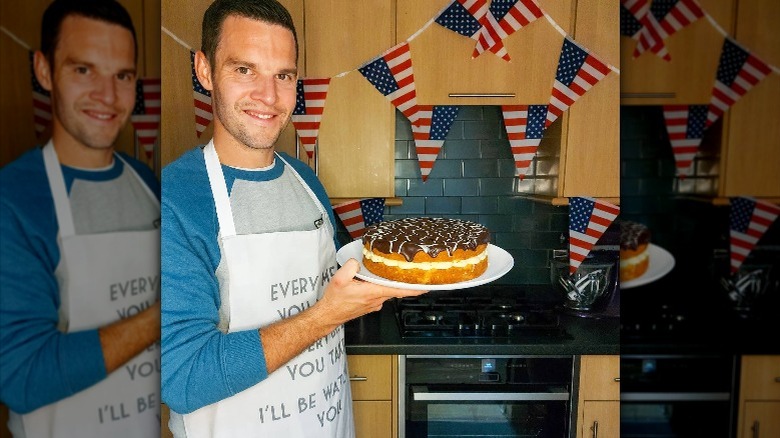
(685, 126)
(651, 35)
(504, 18)
(202, 96)
(524, 127)
(392, 74)
(146, 113)
(470, 18)
(577, 72)
(589, 218)
(309, 105)
(738, 72)
(677, 15)
(749, 219)
(433, 125)
(357, 215)
(41, 99)
(629, 25)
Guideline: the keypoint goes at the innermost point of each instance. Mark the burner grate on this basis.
(477, 313)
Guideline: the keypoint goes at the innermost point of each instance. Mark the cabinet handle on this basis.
(647, 95)
(595, 429)
(481, 95)
(617, 379)
(777, 379)
(754, 428)
(358, 379)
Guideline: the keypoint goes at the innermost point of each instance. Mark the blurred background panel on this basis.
(20, 34)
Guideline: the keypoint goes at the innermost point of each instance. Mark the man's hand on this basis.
(345, 298)
(127, 338)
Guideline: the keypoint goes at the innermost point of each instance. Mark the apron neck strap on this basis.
(219, 190)
(58, 191)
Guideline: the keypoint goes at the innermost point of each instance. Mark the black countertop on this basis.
(379, 333)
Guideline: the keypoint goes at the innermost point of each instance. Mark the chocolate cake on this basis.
(425, 250)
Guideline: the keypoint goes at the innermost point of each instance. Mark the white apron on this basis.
(273, 276)
(103, 278)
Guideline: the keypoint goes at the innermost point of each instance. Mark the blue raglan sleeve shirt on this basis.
(39, 365)
(200, 364)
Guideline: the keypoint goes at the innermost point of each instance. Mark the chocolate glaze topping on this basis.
(633, 234)
(430, 235)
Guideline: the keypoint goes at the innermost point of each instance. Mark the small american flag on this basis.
(146, 113)
(433, 125)
(504, 18)
(470, 18)
(685, 126)
(629, 25)
(651, 35)
(356, 215)
(309, 105)
(577, 72)
(391, 74)
(738, 72)
(524, 127)
(588, 219)
(203, 114)
(748, 221)
(41, 102)
(676, 14)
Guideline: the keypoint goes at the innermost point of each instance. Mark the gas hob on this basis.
(485, 312)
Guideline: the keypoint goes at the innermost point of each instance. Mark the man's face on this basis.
(254, 80)
(92, 81)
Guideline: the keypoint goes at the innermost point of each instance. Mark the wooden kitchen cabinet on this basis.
(598, 413)
(356, 136)
(373, 381)
(23, 19)
(759, 397)
(688, 77)
(743, 144)
(750, 155)
(579, 155)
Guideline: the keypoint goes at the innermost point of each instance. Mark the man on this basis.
(79, 260)
(253, 303)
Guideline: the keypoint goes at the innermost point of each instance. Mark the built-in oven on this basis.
(678, 395)
(452, 396)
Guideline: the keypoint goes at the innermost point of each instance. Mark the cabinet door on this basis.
(443, 64)
(760, 378)
(357, 130)
(688, 77)
(752, 156)
(590, 152)
(598, 377)
(370, 376)
(600, 419)
(761, 420)
(373, 419)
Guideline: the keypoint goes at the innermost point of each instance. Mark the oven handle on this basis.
(674, 396)
(488, 396)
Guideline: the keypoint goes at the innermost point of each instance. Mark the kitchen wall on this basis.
(473, 179)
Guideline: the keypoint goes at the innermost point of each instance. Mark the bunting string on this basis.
(725, 34)
(16, 39)
(417, 33)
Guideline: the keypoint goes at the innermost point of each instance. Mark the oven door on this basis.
(677, 396)
(474, 396)
(481, 411)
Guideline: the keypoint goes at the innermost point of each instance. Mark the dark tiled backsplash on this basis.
(651, 194)
(473, 179)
